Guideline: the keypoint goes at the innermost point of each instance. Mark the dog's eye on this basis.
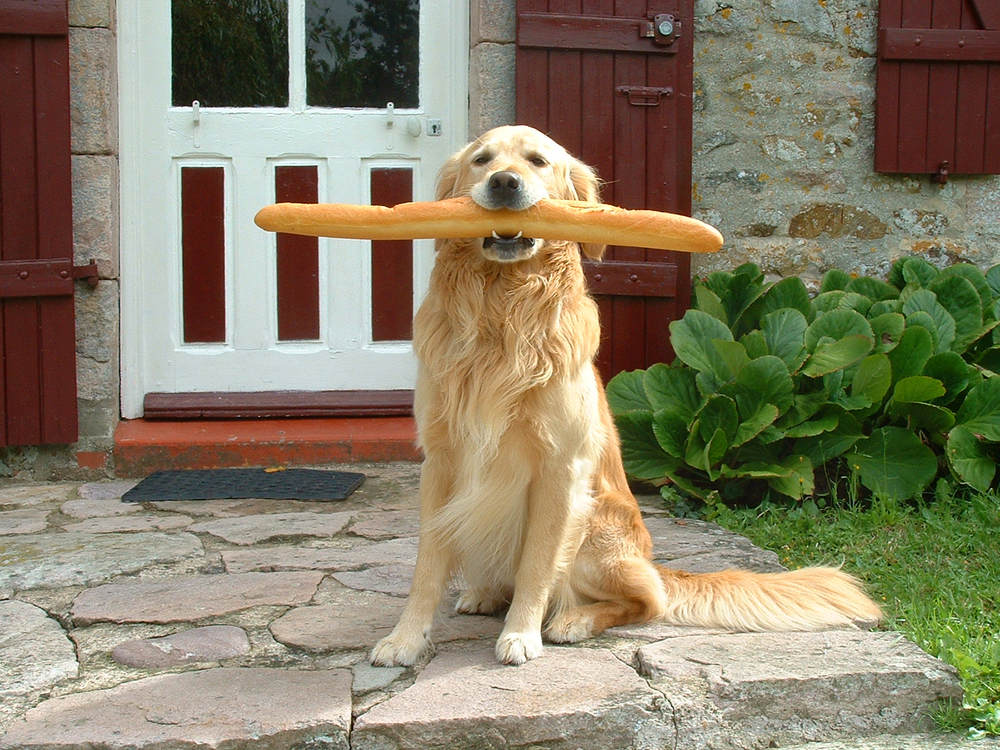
(483, 158)
(538, 161)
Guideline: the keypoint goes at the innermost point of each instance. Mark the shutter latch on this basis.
(663, 29)
(645, 96)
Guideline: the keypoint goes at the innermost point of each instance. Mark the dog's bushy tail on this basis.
(805, 599)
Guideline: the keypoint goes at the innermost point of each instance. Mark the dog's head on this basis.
(514, 167)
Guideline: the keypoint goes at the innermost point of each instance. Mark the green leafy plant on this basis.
(887, 383)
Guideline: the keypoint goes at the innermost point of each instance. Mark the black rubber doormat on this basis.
(229, 484)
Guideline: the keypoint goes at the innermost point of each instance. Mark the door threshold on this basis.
(144, 446)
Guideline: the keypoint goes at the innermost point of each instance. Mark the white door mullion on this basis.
(297, 55)
(252, 278)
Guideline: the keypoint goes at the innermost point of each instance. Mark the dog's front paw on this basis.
(517, 648)
(399, 650)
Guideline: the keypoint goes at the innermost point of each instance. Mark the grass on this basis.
(934, 567)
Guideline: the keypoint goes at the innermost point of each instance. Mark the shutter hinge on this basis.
(43, 277)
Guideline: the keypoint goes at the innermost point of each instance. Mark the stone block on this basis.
(91, 13)
(210, 643)
(772, 689)
(245, 530)
(95, 212)
(93, 91)
(567, 699)
(491, 87)
(492, 21)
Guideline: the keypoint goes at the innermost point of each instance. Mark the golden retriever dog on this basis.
(522, 488)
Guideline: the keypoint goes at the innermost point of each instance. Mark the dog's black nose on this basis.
(504, 186)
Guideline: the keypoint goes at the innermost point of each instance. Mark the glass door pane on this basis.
(229, 53)
(362, 54)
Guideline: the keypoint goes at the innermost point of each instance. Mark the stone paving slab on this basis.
(214, 708)
(246, 624)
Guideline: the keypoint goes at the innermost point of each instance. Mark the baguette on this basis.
(454, 218)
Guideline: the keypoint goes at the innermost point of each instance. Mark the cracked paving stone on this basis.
(322, 558)
(98, 507)
(22, 521)
(191, 597)
(387, 524)
(75, 558)
(116, 524)
(258, 528)
(35, 494)
(389, 579)
(213, 708)
(34, 649)
(568, 698)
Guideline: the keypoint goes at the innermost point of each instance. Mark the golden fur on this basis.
(522, 489)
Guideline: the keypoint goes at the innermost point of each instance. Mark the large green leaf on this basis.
(626, 392)
(993, 279)
(719, 413)
(893, 463)
(829, 445)
(951, 370)
(924, 300)
(837, 324)
(969, 459)
(798, 480)
(671, 432)
(692, 337)
(961, 299)
(923, 319)
(790, 293)
(917, 271)
(873, 378)
(736, 291)
(911, 353)
(872, 288)
(974, 276)
(785, 330)
(706, 455)
(763, 381)
(884, 306)
(887, 329)
(821, 424)
(755, 344)
(917, 388)
(834, 279)
(756, 423)
(672, 388)
(641, 453)
(830, 357)
(732, 359)
(708, 301)
(980, 411)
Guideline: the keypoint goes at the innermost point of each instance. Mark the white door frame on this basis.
(134, 262)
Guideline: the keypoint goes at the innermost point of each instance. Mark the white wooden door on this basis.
(209, 301)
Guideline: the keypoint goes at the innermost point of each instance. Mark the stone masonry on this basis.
(246, 624)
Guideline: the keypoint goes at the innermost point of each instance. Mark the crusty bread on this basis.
(462, 217)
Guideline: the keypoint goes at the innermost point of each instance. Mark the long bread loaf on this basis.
(462, 217)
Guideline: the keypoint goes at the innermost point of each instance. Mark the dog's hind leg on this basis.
(410, 639)
(632, 591)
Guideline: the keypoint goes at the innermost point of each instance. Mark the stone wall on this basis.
(94, 146)
(783, 141)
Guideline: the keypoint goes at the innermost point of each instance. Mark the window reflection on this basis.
(230, 53)
(362, 54)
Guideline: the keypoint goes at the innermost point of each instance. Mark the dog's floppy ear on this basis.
(585, 187)
(447, 180)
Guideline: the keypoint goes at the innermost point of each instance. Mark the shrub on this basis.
(884, 384)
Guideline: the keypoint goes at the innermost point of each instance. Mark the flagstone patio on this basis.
(246, 624)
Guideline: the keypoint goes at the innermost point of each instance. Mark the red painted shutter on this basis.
(612, 82)
(37, 329)
(938, 87)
